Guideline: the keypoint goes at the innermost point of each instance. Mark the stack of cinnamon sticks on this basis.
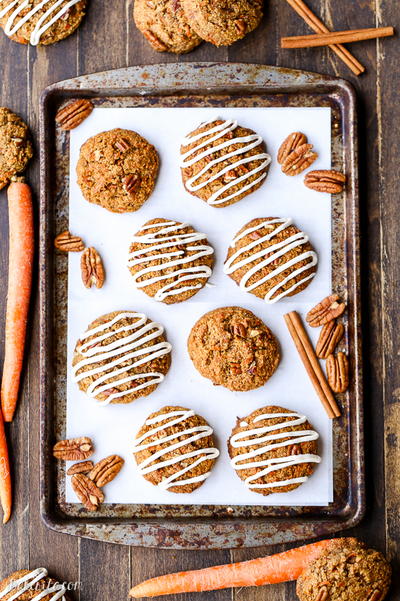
(335, 39)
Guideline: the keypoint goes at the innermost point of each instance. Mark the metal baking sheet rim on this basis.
(206, 532)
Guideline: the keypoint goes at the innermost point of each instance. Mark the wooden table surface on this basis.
(107, 40)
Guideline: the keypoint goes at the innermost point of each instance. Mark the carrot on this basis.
(5, 477)
(281, 567)
(19, 290)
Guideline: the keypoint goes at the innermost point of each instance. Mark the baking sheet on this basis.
(113, 427)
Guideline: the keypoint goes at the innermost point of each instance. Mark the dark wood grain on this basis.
(108, 39)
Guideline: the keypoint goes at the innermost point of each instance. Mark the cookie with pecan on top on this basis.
(117, 170)
(224, 22)
(233, 348)
(164, 25)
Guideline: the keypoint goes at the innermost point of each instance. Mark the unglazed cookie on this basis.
(271, 258)
(40, 21)
(122, 356)
(15, 145)
(164, 25)
(273, 450)
(347, 572)
(175, 449)
(30, 585)
(223, 162)
(225, 21)
(169, 260)
(232, 347)
(117, 170)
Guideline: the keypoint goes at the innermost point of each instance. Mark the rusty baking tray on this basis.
(192, 527)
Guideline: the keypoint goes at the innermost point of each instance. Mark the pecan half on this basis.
(83, 467)
(299, 159)
(73, 449)
(131, 183)
(92, 269)
(337, 371)
(330, 336)
(325, 180)
(74, 113)
(105, 470)
(327, 310)
(155, 42)
(239, 329)
(68, 243)
(294, 449)
(289, 144)
(87, 492)
(241, 26)
(323, 594)
(122, 144)
(376, 595)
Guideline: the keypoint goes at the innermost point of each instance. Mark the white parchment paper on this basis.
(113, 427)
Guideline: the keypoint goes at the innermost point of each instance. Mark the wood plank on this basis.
(14, 552)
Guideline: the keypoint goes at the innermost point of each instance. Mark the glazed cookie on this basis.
(348, 572)
(15, 146)
(223, 162)
(175, 449)
(232, 347)
(164, 25)
(30, 585)
(122, 356)
(40, 21)
(117, 170)
(225, 21)
(271, 258)
(273, 450)
(169, 260)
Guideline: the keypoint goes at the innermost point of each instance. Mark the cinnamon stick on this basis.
(311, 363)
(319, 27)
(336, 37)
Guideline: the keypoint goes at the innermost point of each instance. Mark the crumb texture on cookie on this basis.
(348, 572)
(169, 260)
(163, 23)
(224, 22)
(32, 585)
(117, 170)
(273, 450)
(175, 449)
(122, 356)
(232, 347)
(15, 145)
(271, 258)
(40, 21)
(223, 162)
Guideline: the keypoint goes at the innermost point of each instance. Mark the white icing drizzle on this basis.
(130, 347)
(28, 582)
(13, 25)
(247, 143)
(267, 255)
(167, 236)
(191, 435)
(264, 434)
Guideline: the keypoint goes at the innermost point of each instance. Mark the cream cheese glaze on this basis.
(191, 434)
(55, 12)
(130, 347)
(21, 585)
(268, 255)
(246, 143)
(264, 438)
(166, 236)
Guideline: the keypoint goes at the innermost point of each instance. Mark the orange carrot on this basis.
(19, 290)
(281, 567)
(5, 476)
